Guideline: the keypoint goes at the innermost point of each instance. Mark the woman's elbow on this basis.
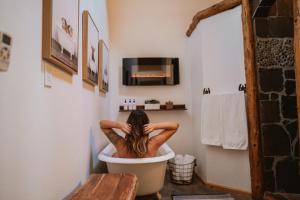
(176, 125)
(101, 123)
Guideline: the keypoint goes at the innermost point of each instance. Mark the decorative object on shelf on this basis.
(5, 48)
(103, 67)
(152, 104)
(169, 105)
(162, 108)
(90, 35)
(60, 33)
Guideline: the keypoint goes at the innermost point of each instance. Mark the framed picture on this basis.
(60, 33)
(103, 67)
(90, 38)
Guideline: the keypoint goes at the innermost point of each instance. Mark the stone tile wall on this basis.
(273, 25)
(273, 18)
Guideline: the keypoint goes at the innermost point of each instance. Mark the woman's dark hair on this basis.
(137, 140)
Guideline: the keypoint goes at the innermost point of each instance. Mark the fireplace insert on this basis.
(150, 71)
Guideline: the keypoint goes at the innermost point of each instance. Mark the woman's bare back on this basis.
(153, 143)
(152, 146)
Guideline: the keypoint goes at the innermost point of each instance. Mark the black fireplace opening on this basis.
(150, 71)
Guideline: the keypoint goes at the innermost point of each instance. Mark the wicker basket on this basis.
(181, 173)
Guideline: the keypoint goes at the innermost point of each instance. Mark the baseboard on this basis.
(73, 190)
(224, 188)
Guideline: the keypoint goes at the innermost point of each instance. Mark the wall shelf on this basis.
(162, 108)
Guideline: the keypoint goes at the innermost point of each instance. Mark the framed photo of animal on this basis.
(60, 33)
(90, 60)
(103, 67)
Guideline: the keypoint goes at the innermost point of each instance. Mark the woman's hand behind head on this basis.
(148, 128)
(126, 128)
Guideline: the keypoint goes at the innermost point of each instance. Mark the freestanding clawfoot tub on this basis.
(150, 171)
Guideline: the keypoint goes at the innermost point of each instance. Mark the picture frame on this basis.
(60, 34)
(90, 54)
(103, 67)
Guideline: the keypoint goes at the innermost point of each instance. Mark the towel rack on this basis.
(242, 87)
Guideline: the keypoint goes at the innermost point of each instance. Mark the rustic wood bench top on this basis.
(107, 187)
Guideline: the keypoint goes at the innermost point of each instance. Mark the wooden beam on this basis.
(252, 105)
(296, 6)
(213, 10)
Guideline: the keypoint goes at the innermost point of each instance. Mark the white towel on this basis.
(184, 166)
(176, 171)
(188, 167)
(234, 121)
(211, 129)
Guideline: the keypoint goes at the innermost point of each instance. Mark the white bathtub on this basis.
(150, 171)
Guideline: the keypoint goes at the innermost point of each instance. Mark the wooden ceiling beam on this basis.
(213, 10)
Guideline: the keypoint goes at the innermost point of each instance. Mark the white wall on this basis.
(222, 54)
(216, 57)
(49, 137)
(195, 62)
(154, 28)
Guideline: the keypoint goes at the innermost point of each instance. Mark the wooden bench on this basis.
(107, 187)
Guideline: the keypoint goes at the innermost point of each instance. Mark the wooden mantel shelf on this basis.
(162, 108)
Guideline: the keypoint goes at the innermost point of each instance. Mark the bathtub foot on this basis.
(159, 197)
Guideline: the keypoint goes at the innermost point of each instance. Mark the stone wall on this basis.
(273, 25)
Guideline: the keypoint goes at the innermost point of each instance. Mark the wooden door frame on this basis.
(256, 168)
(296, 5)
(255, 158)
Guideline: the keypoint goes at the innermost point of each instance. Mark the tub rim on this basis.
(103, 156)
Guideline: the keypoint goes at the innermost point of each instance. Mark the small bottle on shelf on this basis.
(133, 104)
(125, 105)
(129, 105)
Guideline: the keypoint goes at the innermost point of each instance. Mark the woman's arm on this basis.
(169, 129)
(107, 127)
(108, 124)
(162, 125)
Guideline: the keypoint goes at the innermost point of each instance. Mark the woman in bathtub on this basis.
(137, 143)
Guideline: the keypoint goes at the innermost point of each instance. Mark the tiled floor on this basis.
(195, 188)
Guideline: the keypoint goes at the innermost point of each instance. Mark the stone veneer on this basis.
(273, 25)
